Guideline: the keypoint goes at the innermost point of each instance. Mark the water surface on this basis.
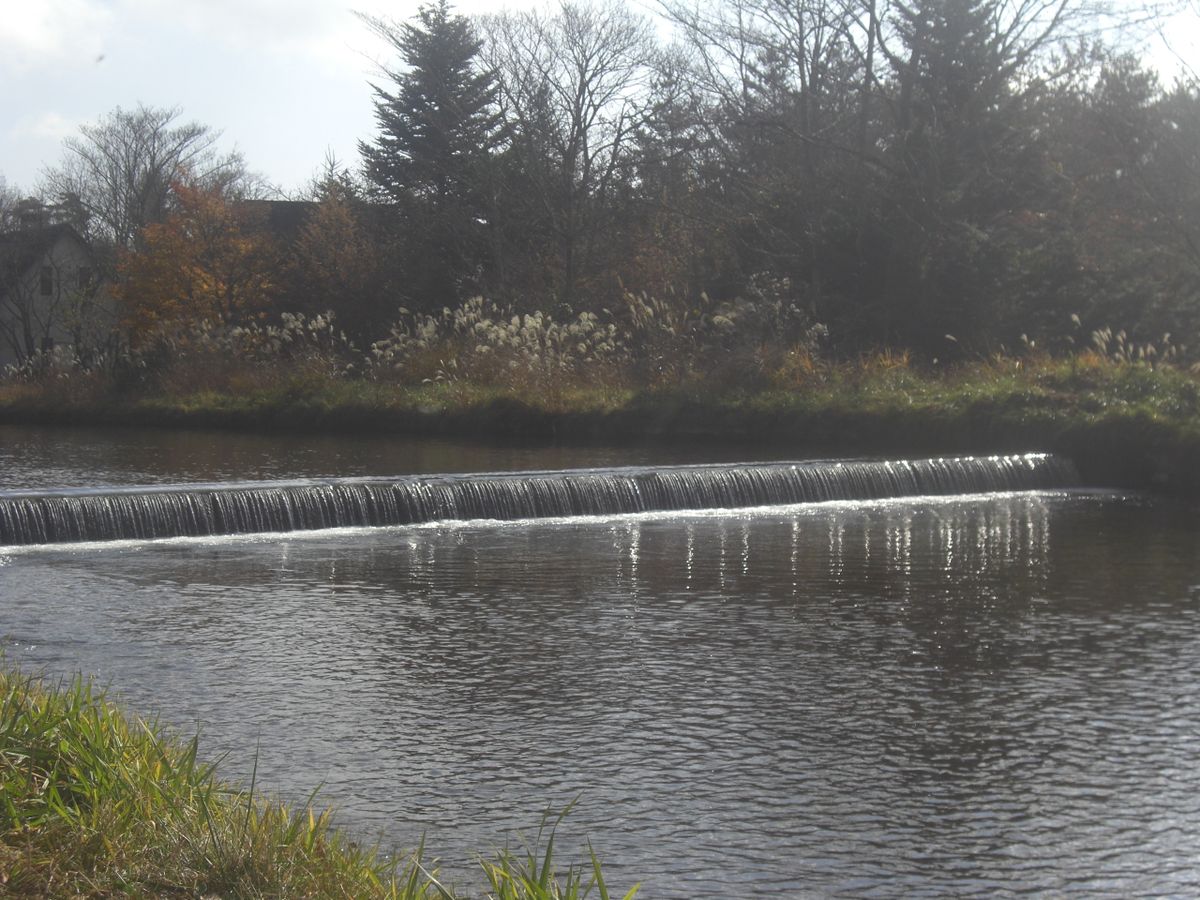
(982, 695)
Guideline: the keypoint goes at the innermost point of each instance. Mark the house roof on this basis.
(282, 218)
(285, 219)
(28, 246)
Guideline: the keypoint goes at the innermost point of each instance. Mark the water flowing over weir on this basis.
(140, 513)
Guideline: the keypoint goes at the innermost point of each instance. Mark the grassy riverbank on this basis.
(1124, 422)
(94, 803)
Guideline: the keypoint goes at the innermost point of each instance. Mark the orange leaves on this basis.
(204, 262)
(337, 263)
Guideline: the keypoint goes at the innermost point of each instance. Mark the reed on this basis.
(1128, 409)
(1077, 388)
(94, 803)
(531, 873)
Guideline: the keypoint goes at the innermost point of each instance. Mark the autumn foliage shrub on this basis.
(481, 342)
(205, 355)
(647, 342)
(742, 341)
(206, 262)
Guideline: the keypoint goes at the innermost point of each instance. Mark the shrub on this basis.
(483, 343)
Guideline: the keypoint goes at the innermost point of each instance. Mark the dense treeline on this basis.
(898, 172)
(947, 176)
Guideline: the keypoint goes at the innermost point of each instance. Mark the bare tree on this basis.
(1166, 13)
(790, 90)
(10, 199)
(750, 54)
(121, 169)
(573, 84)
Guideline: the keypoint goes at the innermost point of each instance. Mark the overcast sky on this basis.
(285, 81)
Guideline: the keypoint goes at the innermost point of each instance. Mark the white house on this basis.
(50, 295)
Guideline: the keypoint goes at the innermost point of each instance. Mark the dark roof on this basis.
(283, 218)
(26, 247)
(286, 218)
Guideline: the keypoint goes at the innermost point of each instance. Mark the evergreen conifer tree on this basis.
(436, 130)
(966, 165)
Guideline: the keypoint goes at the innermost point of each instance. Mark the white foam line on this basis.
(503, 475)
(811, 508)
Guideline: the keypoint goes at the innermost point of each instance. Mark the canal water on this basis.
(937, 696)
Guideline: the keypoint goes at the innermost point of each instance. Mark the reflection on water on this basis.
(965, 697)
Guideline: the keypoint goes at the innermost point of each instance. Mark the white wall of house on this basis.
(56, 302)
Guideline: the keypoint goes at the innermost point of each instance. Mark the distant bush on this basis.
(647, 341)
(481, 342)
(210, 355)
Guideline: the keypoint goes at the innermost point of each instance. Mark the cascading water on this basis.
(249, 508)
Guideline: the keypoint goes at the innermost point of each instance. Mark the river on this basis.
(937, 696)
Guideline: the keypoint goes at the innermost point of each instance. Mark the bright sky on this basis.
(285, 81)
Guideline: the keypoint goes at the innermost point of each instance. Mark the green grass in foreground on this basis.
(97, 804)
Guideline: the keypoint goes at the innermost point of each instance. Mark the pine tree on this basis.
(436, 132)
(966, 166)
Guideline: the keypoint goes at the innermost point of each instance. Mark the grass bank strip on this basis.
(1124, 423)
(97, 804)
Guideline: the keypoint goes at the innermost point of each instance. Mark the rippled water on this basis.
(968, 696)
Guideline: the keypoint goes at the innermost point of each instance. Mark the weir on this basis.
(141, 513)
